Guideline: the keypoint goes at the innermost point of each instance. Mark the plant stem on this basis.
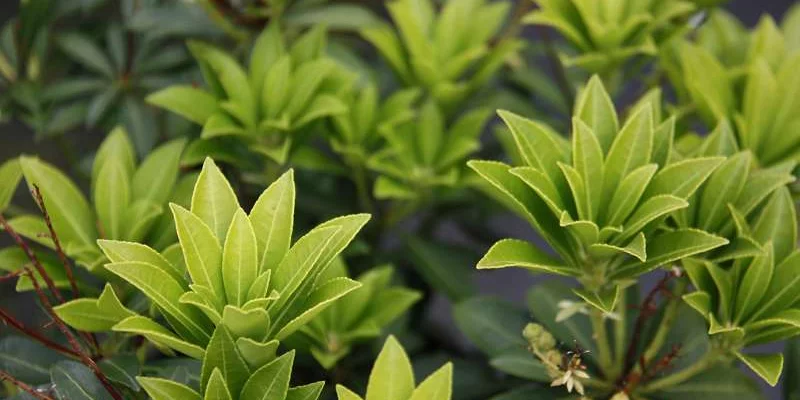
(670, 312)
(6, 377)
(708, 360)
(601, 338)
(620, 332)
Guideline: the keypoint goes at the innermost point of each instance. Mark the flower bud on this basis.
(531, 332)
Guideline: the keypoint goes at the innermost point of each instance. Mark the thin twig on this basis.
(5, 376)
(73, 341)
(9, 320)
(32, 257)
(647, 310)
(37, 195)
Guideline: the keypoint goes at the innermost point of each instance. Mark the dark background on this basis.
(510, 284)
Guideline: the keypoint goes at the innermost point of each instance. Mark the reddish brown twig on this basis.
(37, 196)
(73, 341)
(648, 308)
(9, 320)
(5, 376)
(32, 257)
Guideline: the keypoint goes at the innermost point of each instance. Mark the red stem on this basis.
(16, 324)
(37, 195)
(5, 376)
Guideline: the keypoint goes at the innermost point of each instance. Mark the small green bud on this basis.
(545, 341)
(531, 332)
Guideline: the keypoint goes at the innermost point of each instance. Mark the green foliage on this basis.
(754, 88)
(392, 378)
(438, 51)
(227, 375)
(425, 154)
(128, 200)
(599, 201)
(243, 274)
(283, 89)
(358, 317)
(607, 34)
(661, 195)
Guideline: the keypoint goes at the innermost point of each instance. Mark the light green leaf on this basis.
(272, 218)
(782, 292)
(628, 194)
(668, 247)
(270, 382)
(257, 354)
(595, 108)
(317, 300)
(163, 389)
(755, 283)
(436, 386)
(94, 315)
(217, 388)
(630, 150)
(652, 209)
(605, 300)
(682, 178)
(239, 259)
(311, 391)
(343, 393)
(156, 177)
(391, 377)
(119, 251)
(194, 104)
(777, 223)
(222, 355)
(767, 366)
(201, 250)
(587, 158)
(213, 199)
(725, 183)
(69, 212)
(165, 292)
(10, 175)
(157, 334)
(519, 253)
(112, 193)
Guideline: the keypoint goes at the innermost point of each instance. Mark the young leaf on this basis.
(222, 355)
(157, 334)
(767, 366)
(518, 253)
(391, 377)
(201, 250)
(682, 178)
(239, 259)
(163, 389)
(436, 386)
(213, 199)
(272, 218)
(194, 104)
(270, 382)
(217, 387)
(595, 108)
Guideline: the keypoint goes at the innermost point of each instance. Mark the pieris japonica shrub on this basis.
(306, 199)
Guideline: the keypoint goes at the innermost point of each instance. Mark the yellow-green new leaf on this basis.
(217, 388)
(201, 250)
(755, 283)
(69, 211)
(605, 300)
(272, 218)
(139, 325)
(682, 178)
(519, 253)
(155, 179)
(767, 366)
(213, 199)
(320, 298)
(343, 393)
(119, 251)
(94, 315)
(391, 377)
(194, 104)
(222, 355)
(270, 382)
(164, 389)
(436, 386)
(10, 175)
(239, 259)
(595, 108)
(165, 292)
